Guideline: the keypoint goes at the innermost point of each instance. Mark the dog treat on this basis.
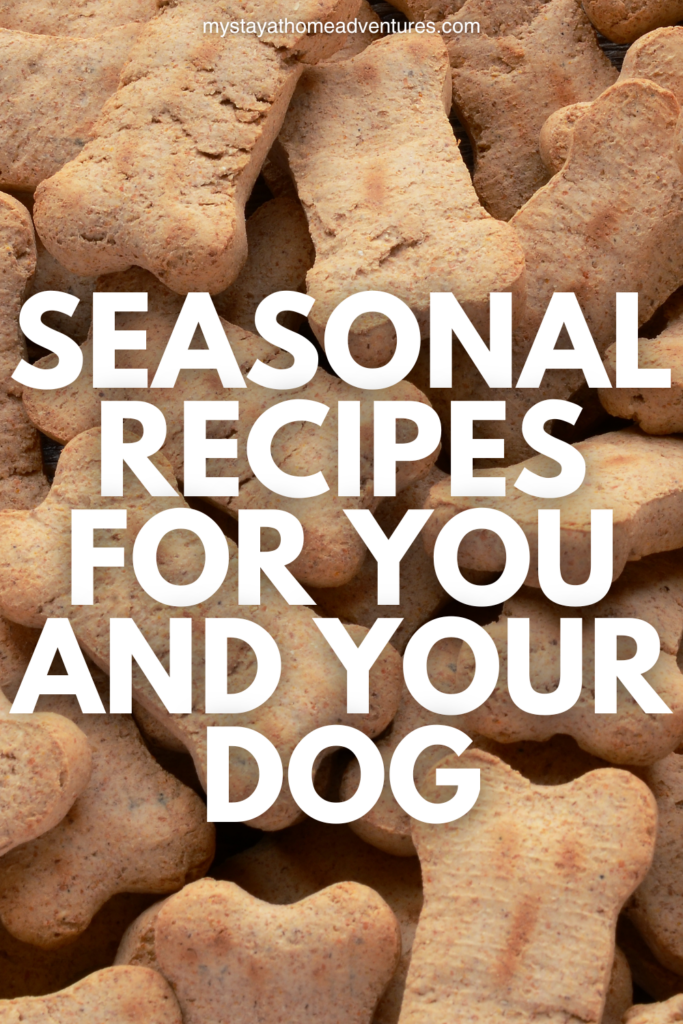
(658, 56)
(280, 255)
(356, 42)
(22, 483)
(655, 410)
(333, 551)
(656, 904)
(44, 766)
(407, 220)
(31, 971)
(116, 995)
(16, 647)
(220, 947)
(175, 152)
(288, 866)
(310, 694)
(646, 520)
(421, 593)
(73, 79)
(556, 135)
(50, 275)
(669, 1012)
(526, 863)
(135, 828)
(74, 17)
(624, 21)
(155, 731)
(528, 60)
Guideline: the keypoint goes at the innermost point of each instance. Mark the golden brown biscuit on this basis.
(333, 551)
(646, 519)
(175, 152)
(407, 220)
(327, 958)
(625, 20)
(528, 59)
(655, 410)
(134, 828)
(73, 79)
(22, 483)
(116, 995)
(421, 593)
(522, 896)
(35, 583)
(45, 765)
(74, 17)
(669, 1012)
(280, 255)
(288, 866)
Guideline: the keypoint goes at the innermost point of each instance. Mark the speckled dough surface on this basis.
(622, 21)
(333, 551)
(53, 90)
(35, 583)
(326, 959)
(646, 519)
(116, 995)
(669, 1012)
(407, 221)
(135, 828)
(522, 896)
(177, 149)
(74, 17)
(529, 58)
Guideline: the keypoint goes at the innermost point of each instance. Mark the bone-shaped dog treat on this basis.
(669, 1012)
(333, 551)
(528, 59)
(326, 958)
(631, 736)
(408, 220)
(31, 971)
(73, 79)
(280, 255)
(421, 593)
(624, 21)
(312, 689)
(135, 828)
(177, 149)
(655, 410)
(44, 766)
(288, 866)
(645, 521)
(22, 483)
(522, 896)
(656, 905)
(658, 56)
(116, 995)
(74, 17)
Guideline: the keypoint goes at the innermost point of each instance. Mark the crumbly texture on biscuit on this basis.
(219, 946)
(280, 255)
(176, 150)
(333, 551)
(645, 520)
(669, 1012)
(35, 583)
(116, 995)
(407, 220)
(74, 17)
(526, 863)
(529, 58)
(626, 20)
(134, 828)
(73, 78)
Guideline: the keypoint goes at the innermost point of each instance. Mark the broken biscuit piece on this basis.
(124, 995)
(407, 221)
(626, 20)
(74, 17)
(176, 150)
(220, 947)
(529, 59)
(523, 862)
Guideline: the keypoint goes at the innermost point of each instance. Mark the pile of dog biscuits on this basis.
(141, 152)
